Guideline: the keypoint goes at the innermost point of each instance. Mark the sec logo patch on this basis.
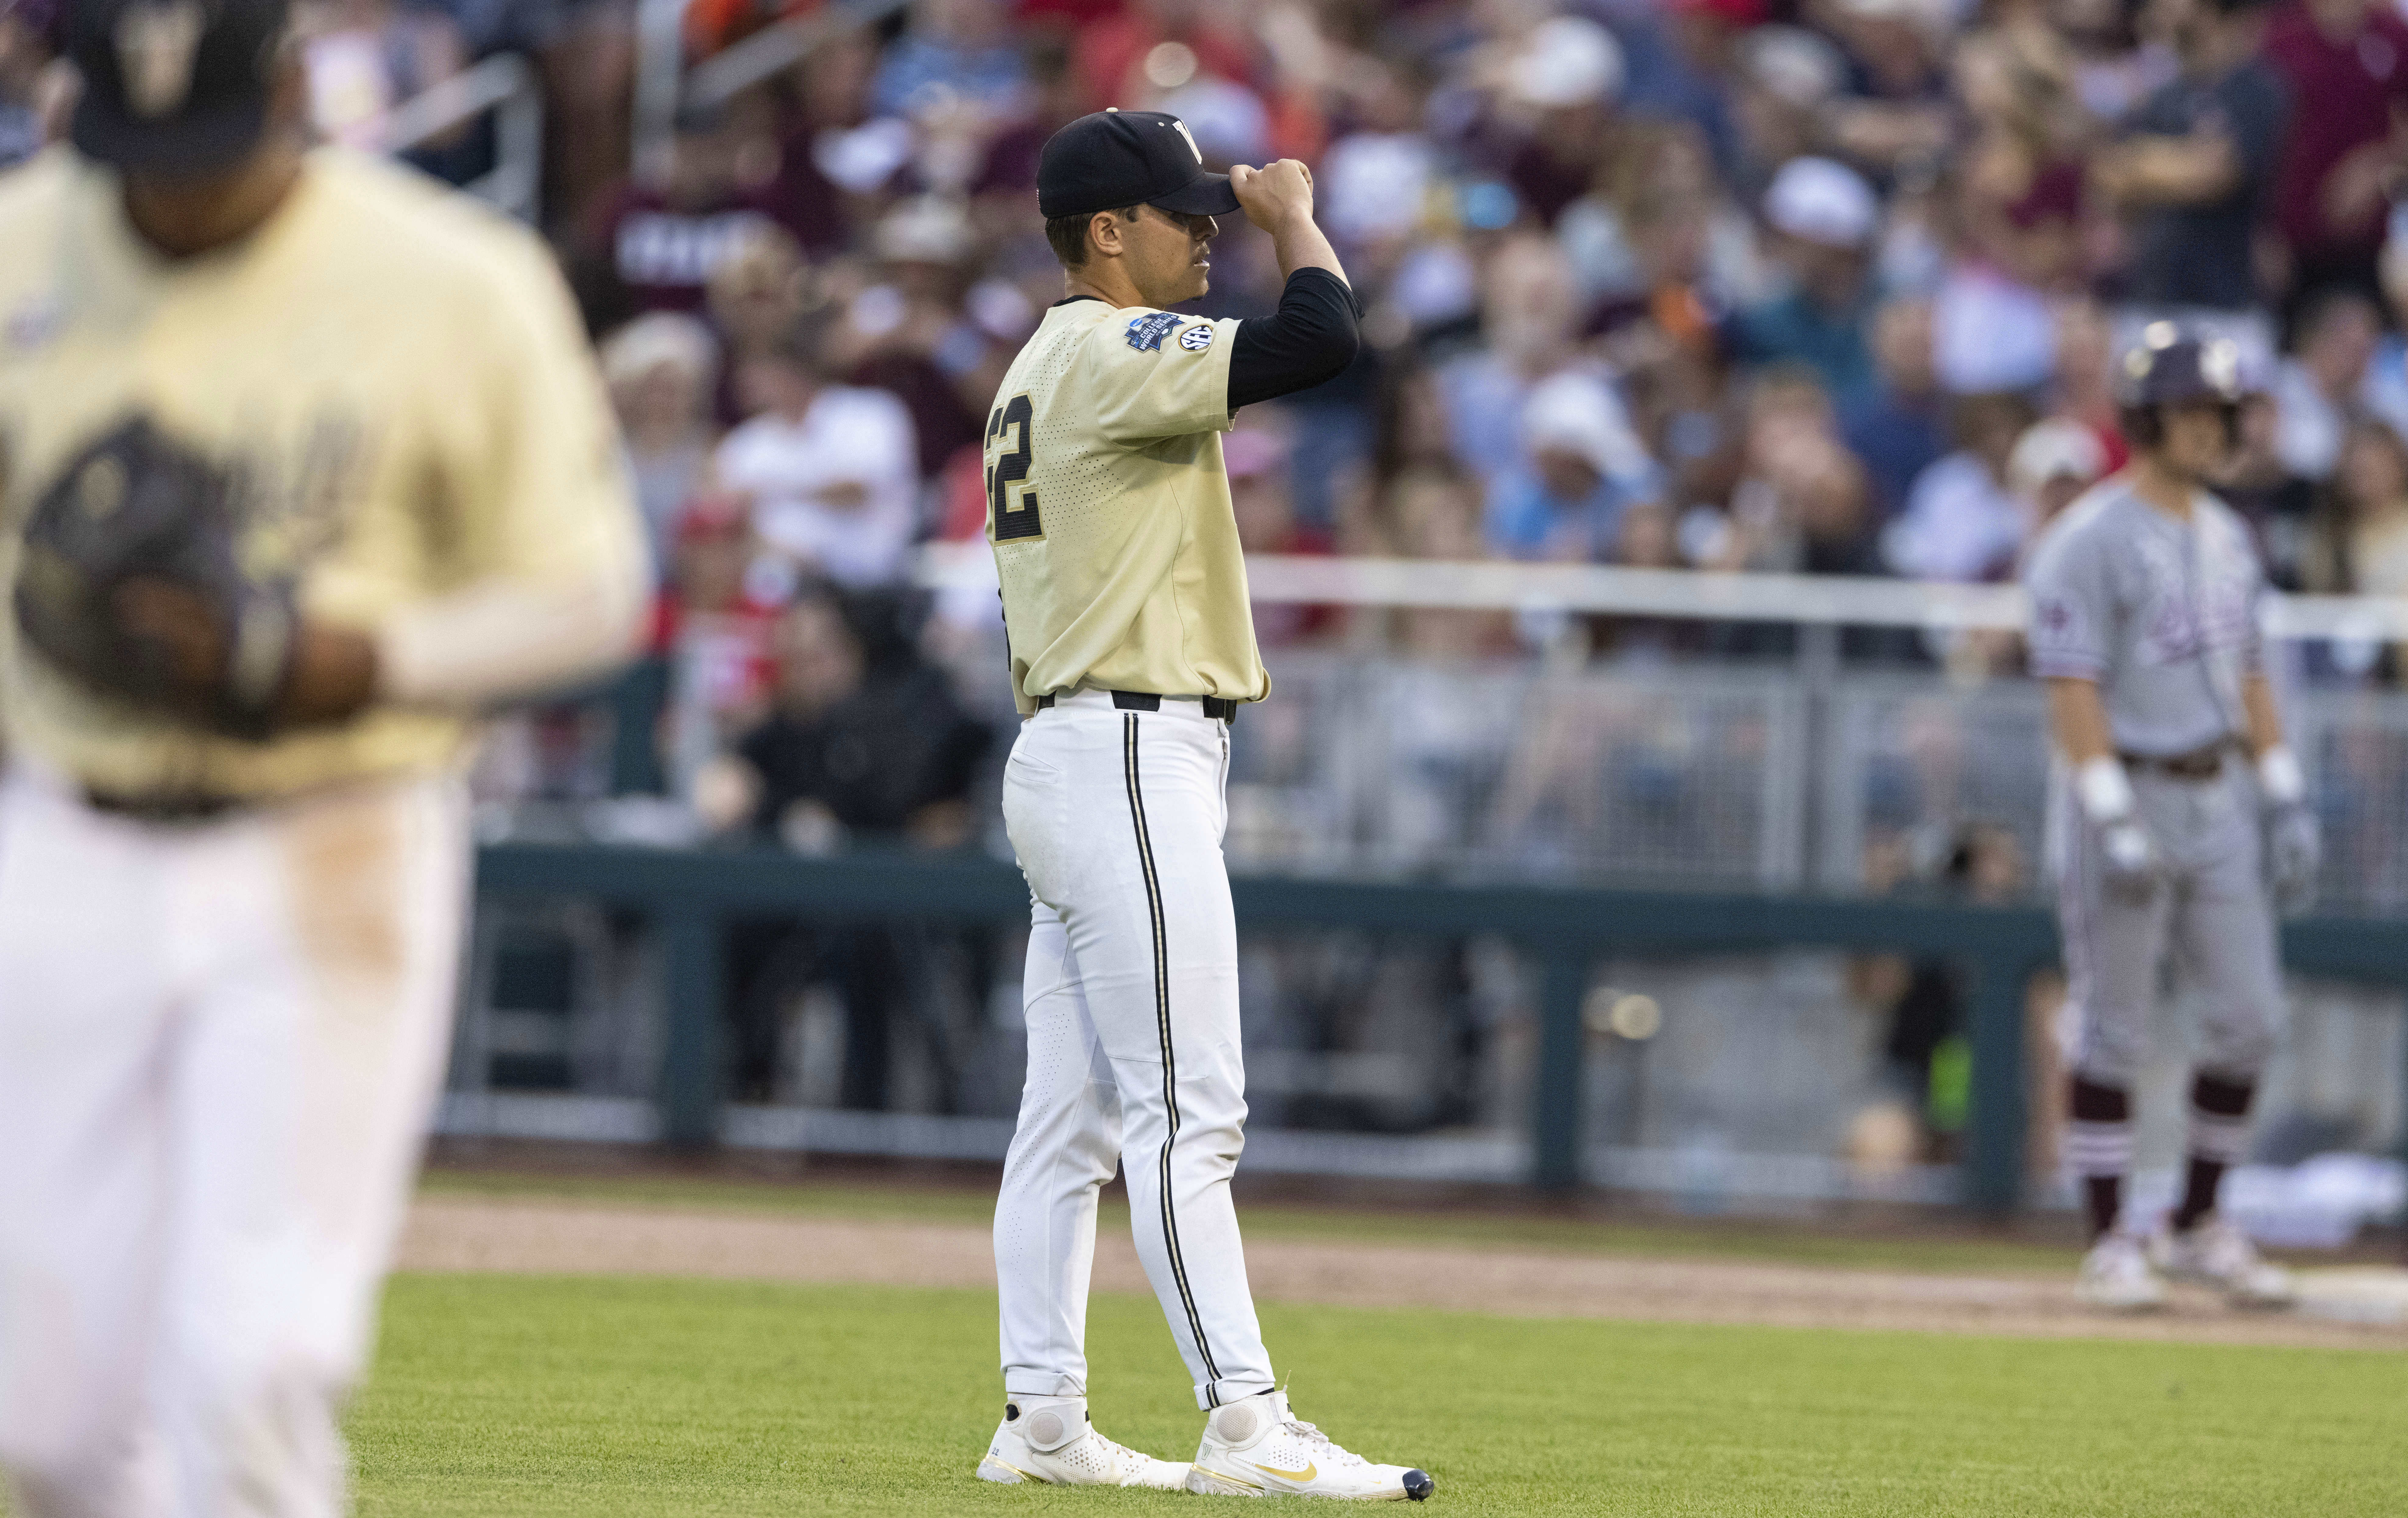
(1197, 337)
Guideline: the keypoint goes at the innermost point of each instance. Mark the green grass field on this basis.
(609, 1399)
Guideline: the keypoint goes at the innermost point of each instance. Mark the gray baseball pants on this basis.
(2209, 912)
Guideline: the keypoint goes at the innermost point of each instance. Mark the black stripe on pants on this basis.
(1169, 1067)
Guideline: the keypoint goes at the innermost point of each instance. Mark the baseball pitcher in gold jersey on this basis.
(306, 462)
(1132, 652)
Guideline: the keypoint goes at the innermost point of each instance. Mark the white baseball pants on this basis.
(219, 1045)
(1133, 1048)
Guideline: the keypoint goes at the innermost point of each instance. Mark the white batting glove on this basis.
(2294, 844)
(2133, 864)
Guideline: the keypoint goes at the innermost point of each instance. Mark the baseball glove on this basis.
(131, 583)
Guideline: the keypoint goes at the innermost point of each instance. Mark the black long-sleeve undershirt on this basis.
(1309, 341)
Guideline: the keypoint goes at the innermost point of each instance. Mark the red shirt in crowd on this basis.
(2343, 94)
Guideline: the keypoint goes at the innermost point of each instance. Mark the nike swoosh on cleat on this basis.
(1307, 1474)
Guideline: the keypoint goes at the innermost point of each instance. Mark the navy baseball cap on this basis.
(178, 87)
(1117, 158)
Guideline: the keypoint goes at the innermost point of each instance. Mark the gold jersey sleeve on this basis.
(394, 374)
(1107, 506)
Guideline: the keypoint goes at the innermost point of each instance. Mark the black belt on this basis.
(1214, 705)
(166, 809)
(2198, 764)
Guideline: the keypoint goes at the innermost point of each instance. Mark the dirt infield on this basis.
(536, 1235)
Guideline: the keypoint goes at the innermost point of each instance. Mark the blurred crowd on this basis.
(1816, 286)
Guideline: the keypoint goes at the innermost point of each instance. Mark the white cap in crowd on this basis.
(1579, 414)
(1568, 60)
(2051, 451)
(927, 229)
(1792, 64)
(658, 338)
(1819, 201)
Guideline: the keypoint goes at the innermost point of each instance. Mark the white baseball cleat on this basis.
(2214, 1252)
(1254, 1448)
(1049, 1441)
(2115, 1275)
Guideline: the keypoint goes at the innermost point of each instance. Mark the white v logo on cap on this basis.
(1181, 127)
(155, 46)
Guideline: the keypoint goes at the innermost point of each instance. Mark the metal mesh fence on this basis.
(1916, 776)
(2355, 747)
(1396, 768)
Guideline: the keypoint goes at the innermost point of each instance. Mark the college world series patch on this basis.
(1197, 337)
(1146, 332)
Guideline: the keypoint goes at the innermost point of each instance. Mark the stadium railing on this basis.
(505, 85)
(664, 83)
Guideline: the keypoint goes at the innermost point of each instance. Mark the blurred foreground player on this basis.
(306, 460)
(2145, 625)
(1132, 648)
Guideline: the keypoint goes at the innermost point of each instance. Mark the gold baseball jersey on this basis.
(394, 375)
(1107, 504)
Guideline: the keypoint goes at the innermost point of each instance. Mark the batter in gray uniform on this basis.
(2145, 625)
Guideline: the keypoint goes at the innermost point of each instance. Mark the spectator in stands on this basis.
(2054, 462)
(1409, 434)
(909, 334)
(1655, 239)
(713, 624)
(1371, 186)
(2272, 500)
(1792, 464)
(2085, 375)
(863, 738)
(2019, 199)
(662, 370)
(655, 249)
(2113, 71)
(1112, 53)
(1651, 540)
(1258, 460)
(1895, 116)
(831, 471)
(865, 744)
(1785, 81)
(1961, 521)
(1900, 427)
(2357, 539)
(2346, 151)
(760, 291)
(955, 52)
(837, 162)
(1007, 173)
(1435, 513)
(1529, 315)
(2317, 389)
(1682, 67)
(1583, 467)
(2385, 392)
(1822, 216)
(364, 57)
(26, 56)
(2196, 166)
(1555, 105)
